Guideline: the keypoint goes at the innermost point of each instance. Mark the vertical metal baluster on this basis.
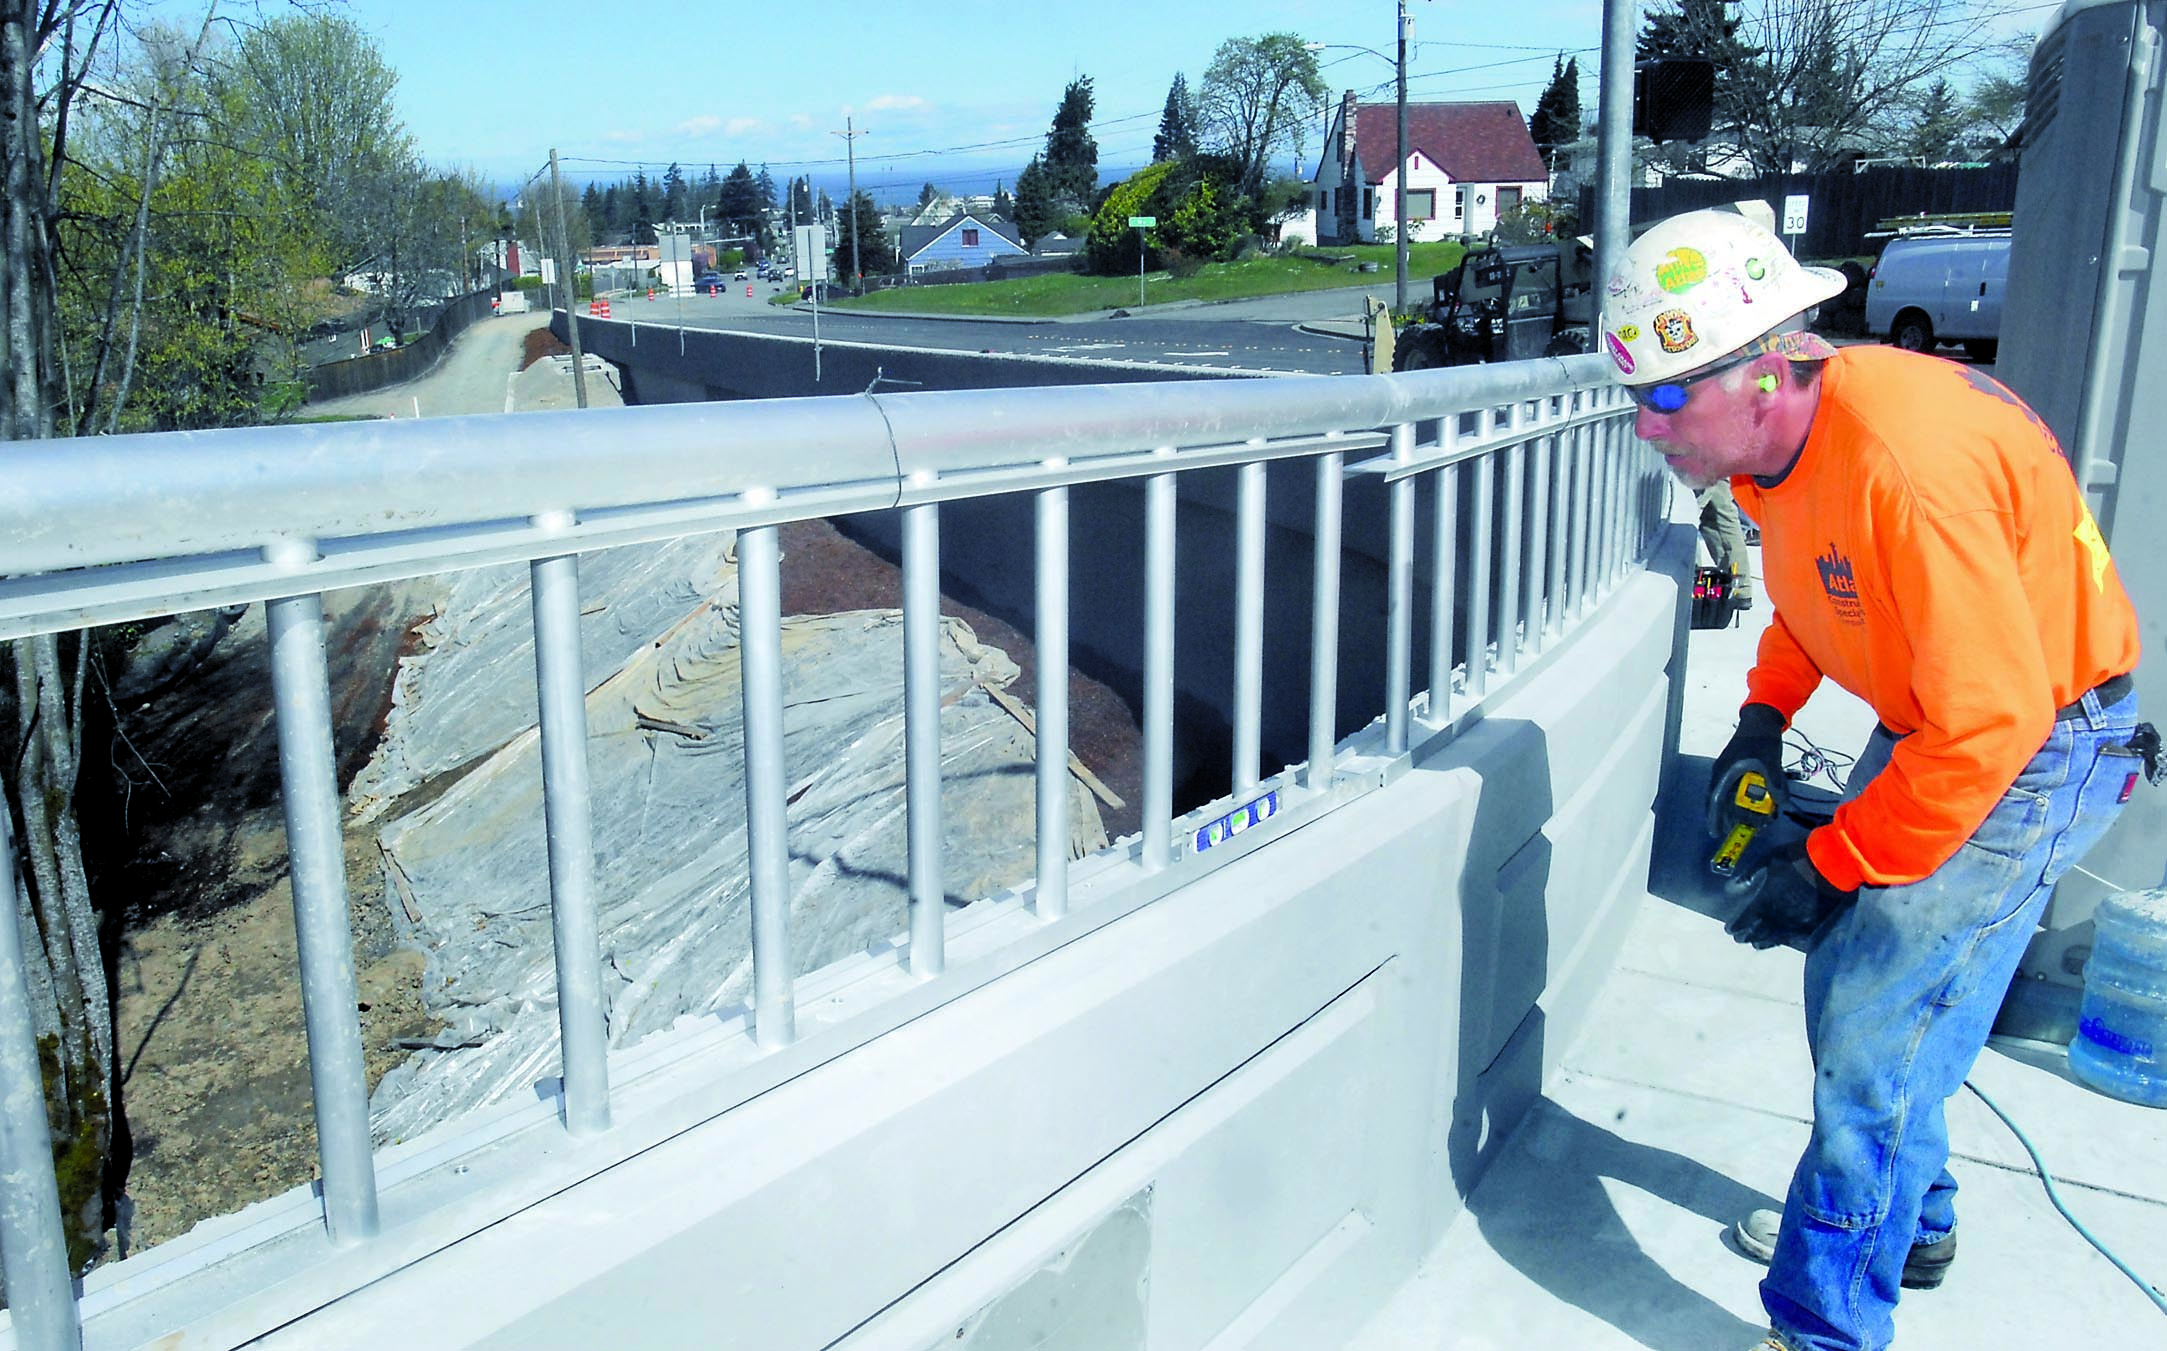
(316, 862)
(1510, 608)
(1159, 668)
(1550, 554)
(767, 831)
(1400, 599)
(1607, 504)
(40, 1294)
(1249, 628)
(1539, 536)
(1052, 642)
(1480, 600)
(1584, 439)
(1324, 632)
(922, 736)
(568, 812)
(1445, 534)
(1620, 508)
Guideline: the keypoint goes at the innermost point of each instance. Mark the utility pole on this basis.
(850, 136)
(571, 292)
(1399, 180)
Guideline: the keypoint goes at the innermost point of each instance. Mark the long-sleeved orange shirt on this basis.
(1930, 552)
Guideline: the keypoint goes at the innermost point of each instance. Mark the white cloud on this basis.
(739, 126)
(699, 126)
(893, 102)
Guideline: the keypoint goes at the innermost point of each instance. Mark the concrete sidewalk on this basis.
(1687, 1102)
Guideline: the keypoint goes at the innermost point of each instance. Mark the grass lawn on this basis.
(1072, 293)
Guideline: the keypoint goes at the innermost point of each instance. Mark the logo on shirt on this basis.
(2095, 548)
(1841, 586)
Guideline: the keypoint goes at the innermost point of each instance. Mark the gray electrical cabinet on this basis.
(2086, 346)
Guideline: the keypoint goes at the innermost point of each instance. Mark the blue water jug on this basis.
(2121, 1042)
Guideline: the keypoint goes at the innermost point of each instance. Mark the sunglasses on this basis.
(1671, 395)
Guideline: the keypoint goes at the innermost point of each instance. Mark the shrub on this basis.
(1111, 242)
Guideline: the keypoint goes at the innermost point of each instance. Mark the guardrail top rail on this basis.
(1535, 457)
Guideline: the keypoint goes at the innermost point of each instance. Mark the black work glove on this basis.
(1787, 900)
(1756, 745)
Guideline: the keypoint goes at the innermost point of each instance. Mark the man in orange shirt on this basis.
(1926, 547)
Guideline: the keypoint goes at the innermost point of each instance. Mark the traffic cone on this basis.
(650, 293)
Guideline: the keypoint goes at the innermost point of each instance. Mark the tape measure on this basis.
(1751, 807)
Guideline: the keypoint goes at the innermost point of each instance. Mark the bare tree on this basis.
(1259, 96)
(71, 1005)
(1811, 82)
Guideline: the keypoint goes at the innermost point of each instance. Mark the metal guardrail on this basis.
(125, 528)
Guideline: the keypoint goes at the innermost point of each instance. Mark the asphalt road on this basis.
(1256, 335)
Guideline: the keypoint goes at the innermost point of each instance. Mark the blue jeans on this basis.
(1901, 991)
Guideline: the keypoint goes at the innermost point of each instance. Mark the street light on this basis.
(1399, 173)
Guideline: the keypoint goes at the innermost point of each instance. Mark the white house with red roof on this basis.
(1466, 163)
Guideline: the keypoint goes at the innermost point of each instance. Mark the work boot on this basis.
(1770, 1342)
(1924, 1269)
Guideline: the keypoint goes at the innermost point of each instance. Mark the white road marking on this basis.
(1090, 347)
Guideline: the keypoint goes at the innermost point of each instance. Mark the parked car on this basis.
(1940, 288)
(741, 274)
(708, 283)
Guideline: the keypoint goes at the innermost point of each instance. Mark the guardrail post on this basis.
(760, 604)
(1052, 644)
(1444, 532)
(1248, 626)
(922, 736)
(1400, 598)
(41, 1297)
(1158, 805)
(568, 812)
(338, 1074)
(1324, 631)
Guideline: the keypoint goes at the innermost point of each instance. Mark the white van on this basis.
(1930, 289)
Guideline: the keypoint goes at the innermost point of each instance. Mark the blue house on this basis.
(963, 240)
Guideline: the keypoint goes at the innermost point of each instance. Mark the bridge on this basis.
(1045, 1098)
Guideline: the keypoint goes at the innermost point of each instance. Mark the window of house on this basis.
(1459, 204)
(970, 239)
(1422, 204)
(1507, 199)
(1369, 203)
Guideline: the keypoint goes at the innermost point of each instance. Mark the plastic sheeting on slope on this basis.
(666, 753)
(471, 687)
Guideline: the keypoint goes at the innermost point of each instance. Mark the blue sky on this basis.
(959, 92)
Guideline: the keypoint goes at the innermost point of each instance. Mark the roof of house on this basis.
(916, 238)
(1473, 142)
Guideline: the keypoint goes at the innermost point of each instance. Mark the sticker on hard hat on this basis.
(1674, 329)
(1681, 270)
(1619, 355)
(1756, 269)
(1629, 332)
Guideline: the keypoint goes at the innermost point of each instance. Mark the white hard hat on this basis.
(1699, 287)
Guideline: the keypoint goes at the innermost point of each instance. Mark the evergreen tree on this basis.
(827, 207)
(801, 199)
(675, 200)
(591, 206)
(643, 208)
(710, 190)
(740, 205)
(1004, 206)
(1072, 157)
(764, 187)
(1177, 124)
(869, 237)
(1556, 122)
(1037, 212)
(1938, 128)
(926, 194)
